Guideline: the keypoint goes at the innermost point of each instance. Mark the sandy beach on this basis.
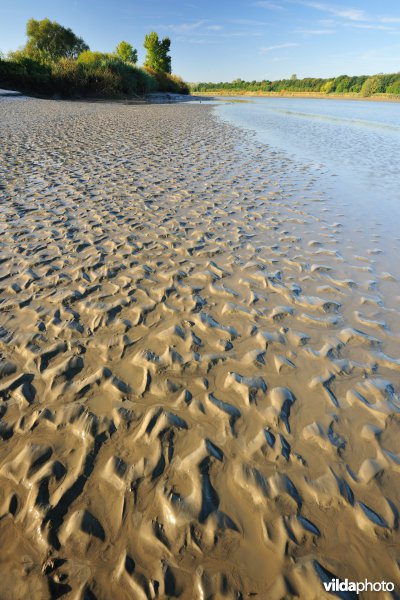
(199, 371)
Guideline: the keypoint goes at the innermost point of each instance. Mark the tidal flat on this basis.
(199, 364)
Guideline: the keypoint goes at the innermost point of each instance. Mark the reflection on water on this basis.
(357, 141)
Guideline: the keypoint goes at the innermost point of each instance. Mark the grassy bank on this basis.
(100, 77)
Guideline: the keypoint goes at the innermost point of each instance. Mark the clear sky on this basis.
(221, 40)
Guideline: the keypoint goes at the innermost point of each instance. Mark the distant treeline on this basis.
(54, 61)
(362, 85)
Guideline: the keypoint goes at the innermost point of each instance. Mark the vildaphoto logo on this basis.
(336, 585)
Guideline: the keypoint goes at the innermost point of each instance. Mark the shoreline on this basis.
(312, 95)
(170, 97)
(153, 98)
(198, 366)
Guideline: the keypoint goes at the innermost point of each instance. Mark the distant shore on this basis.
(319, 95)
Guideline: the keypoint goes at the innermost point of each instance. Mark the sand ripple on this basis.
(199, 377)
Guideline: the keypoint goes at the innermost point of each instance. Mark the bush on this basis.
(394, 88)
(169, 83)
(72, 78)
(26, 75)
(343, 84)
(145, 83)
(92, 58)
(101, 76)
(183, 87)
(29, 64)
(373, 85)
(91, 74)
(328, 87)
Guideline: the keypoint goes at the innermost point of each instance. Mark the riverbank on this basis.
(153, 98)
(374, 98)
(101, 77)
(199, 372)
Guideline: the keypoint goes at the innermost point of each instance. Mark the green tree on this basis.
(371, 86)
(394, 88)
(157, 57)
(49, 41)
(328, 86)
(126, 52)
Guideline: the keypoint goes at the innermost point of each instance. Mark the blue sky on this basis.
(216, 40)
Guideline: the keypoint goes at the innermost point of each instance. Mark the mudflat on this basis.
(199, 374)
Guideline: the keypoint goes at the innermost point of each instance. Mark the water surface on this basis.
(356, 144)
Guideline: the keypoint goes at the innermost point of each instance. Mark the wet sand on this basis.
(199, 371)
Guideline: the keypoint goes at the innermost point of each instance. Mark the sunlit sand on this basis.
(199, 382)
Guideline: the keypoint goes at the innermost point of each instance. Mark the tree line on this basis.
(362, 85)
(56, 60)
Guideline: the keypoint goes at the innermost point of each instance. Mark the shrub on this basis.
(328, 87)
(92, 74)
(92, 58)
(183, 87)
(26, 75)
(145, 83)
(394, 88)
(373, 85)
(169, 83)
(101, 75)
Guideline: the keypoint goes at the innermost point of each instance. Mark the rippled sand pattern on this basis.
(199, 391)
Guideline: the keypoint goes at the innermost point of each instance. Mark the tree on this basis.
(126, 52)
(48, 41)
(394, 88)
(157, 57)
(328, 86)
(371, 86)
